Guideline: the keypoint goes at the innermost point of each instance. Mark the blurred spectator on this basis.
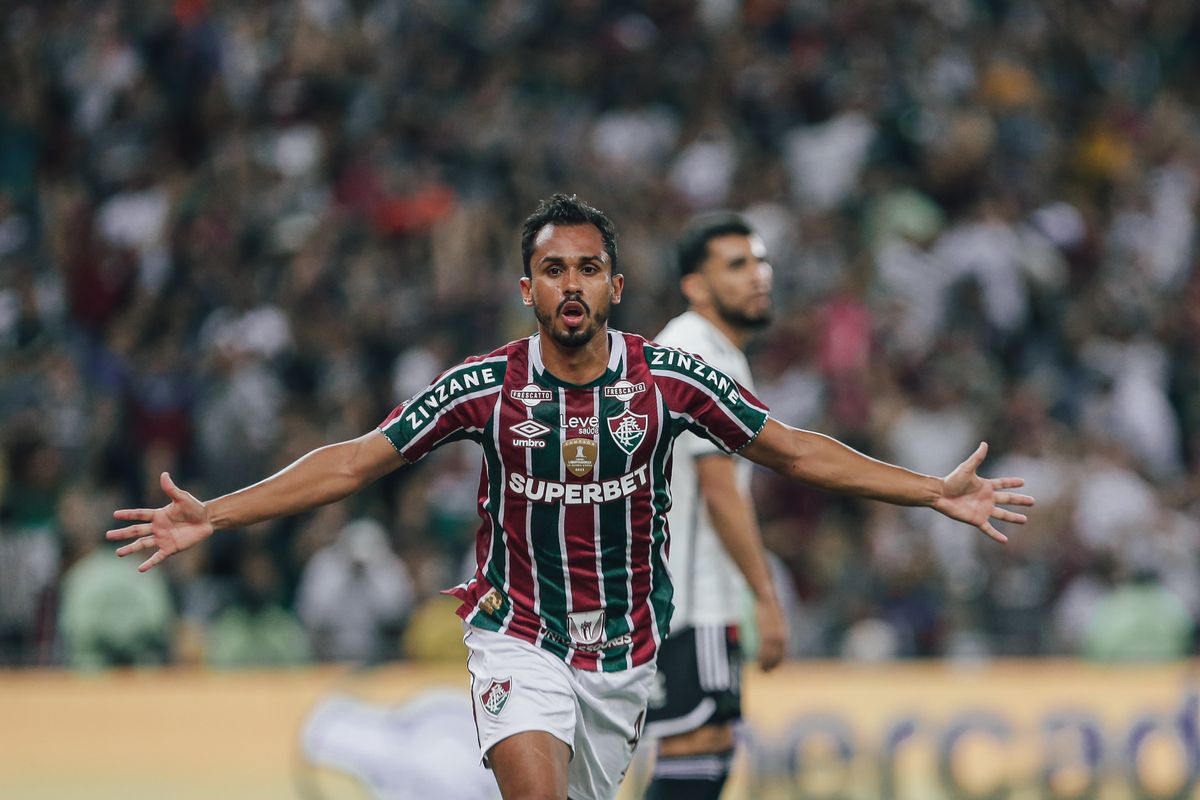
(1114, 504)
(255, 630)
(29, 548)
(871, 640)
(1139, 620)
(108, 617)
(355, 595)
(1077, 605)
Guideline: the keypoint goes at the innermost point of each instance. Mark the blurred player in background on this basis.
(571, 597)
(716, 547)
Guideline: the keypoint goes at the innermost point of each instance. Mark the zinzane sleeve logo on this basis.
(454, 405)
(705, 400)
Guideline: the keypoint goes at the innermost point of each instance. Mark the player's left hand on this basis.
(976, 501)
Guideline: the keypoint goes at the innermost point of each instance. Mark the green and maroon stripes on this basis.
(616, 536)
(520, 582)
(554, 544)
(651, 580)
(545, 532)
(578, 532)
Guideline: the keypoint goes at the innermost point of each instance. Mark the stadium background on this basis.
(230, 232)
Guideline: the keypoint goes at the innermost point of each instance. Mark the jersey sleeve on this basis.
(456, 405)
(705, 400)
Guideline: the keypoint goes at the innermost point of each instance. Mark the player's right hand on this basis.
(772, 633)
(169, 529)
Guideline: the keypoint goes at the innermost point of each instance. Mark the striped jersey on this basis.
(575, 487)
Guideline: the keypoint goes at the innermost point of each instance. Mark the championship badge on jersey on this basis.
(580, 455)
(495, 695)
(628, 429)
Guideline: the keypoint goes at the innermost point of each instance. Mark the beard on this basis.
(740, 319)
(576, 337)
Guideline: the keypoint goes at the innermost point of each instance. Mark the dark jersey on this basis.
(575, 487)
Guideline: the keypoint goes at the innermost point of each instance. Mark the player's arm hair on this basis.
(733, 519)
(828, 464)
(322, 476)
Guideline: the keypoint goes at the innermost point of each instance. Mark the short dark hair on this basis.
(692, 247)
(562, 209)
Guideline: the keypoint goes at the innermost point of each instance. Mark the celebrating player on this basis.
(571, 596)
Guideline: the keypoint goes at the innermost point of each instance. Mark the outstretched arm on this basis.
(732, 518)
(828, 464)
(322, 476)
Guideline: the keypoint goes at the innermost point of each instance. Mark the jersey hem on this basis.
(464, 611)
(766, 419)
(393, 444)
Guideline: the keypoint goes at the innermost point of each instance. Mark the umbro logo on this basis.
(530, 429)
(530, 432)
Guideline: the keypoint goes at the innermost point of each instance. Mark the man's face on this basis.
(571, 286)
(735, 279)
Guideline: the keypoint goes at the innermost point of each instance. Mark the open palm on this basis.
(977, 501)
(174, 527)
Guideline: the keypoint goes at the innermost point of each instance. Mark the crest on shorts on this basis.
(495, 695)
(628, 429)
(580, 455)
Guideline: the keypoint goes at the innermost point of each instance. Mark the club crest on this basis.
(628, 429)
(495, 695)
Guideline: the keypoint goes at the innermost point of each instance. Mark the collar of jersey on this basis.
(615, 368)
(549, 379)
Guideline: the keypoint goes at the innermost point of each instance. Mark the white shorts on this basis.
(518, 687)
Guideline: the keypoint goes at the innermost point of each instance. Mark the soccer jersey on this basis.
(708, 586)
(575, 488)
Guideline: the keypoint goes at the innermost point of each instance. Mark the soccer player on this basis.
(726, 279)
(571, 596)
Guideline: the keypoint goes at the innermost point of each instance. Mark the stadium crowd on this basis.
(230, 232)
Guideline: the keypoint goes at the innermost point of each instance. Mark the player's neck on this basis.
(738, 335)
(578, 365)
